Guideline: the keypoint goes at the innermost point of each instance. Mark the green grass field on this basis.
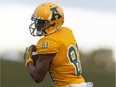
(15, 74)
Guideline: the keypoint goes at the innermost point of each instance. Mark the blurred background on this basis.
(93, 23)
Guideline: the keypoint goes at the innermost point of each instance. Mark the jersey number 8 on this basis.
(73, 59)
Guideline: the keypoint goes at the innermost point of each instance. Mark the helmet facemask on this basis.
(38, 26)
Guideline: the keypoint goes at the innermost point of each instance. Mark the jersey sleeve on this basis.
(47, 46)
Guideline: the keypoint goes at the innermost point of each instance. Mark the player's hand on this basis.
(28, 55)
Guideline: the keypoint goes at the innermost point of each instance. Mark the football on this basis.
(34, 54)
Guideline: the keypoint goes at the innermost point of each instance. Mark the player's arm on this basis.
(41, 67)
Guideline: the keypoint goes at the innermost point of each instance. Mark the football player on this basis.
(57, 50)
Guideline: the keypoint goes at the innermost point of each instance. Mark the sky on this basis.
(107, 5)
(93, 23)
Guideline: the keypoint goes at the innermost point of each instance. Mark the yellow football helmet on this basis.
(46, 19)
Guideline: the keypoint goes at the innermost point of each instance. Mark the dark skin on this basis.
(41, 67)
